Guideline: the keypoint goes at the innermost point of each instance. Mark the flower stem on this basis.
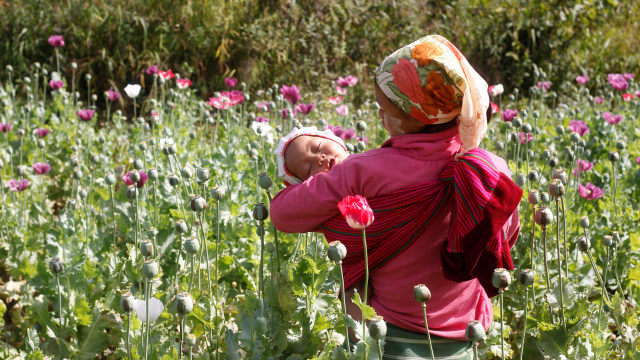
(426, 328)
(60, 315)
(379, 350)
(564, 239)
(366, 283)
(344, 306)
(502, 323)
(147, 294)
(128, 332)
(544, 251)
(564, 323)
(524, 330)
(533, 237)
(192, 271)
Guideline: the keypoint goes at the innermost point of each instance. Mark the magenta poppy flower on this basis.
(18, 186)
(56, 85)
(261, 119)
(151, 70)
(628, 76)
(230, 82)
(341, 91)
(610, 118)
(638, 160)
(41, 168)
(342, 110)
(56, 40)
(290, 93)
(363, 139)
(582, 166)
(590, 191)
(42, 132)
(546, 85)
(525, 137)
(582, 79)
(627, 97)
(617, 81)
(347, 81)
(86, 114)
(5, 127)
(140, 183)
(598, 100)
(335, 100)
(305, 108)
(264, 106)
(113, 95)
(285, 113)
(509, 115)
(578, 126)
(637, 94)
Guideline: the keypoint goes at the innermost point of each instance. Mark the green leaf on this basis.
(231, 340)
(82, 312)
(367, 311)
(92, 339)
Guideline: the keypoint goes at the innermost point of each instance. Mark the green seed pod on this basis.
(142, 146)
(260, 212)
(77, 174)
(517, 122)
(534, 197)
(134, 176)
(146, 248)
(620, 145)
(514, 137)
(21, 170)
(584, 222)
(186, 172)
(570, 154)
(582, 143)
(583, 243)
(217, 193)
(361, 126)
(527, 128)
(183, 303)
(614, 156)
(553, 162)
(132, 192)
(71, 204)
(575, 137)
(191, 245)
(259, 325)
(264, 181)
(607, 240)
(377, 328)
(138, 164)
(421, 293)
(260, 230)
(150, 269)
(55, 265)
(95, 159)
(556, 188)
(533, 176)
(524, 113)
(198, 204)
(10, 152)
(543, 216)
(180, 226)
(153, 174)
(192, 135)
(102, 139)
(337, 251)
(270, 247)
(361, 146)
(82, 193)
(41, 144)
(170, 149)
(203, 174)
(527, 277)
(190, 340)
(521, 179)
(322, 123)
(253, 153)
(544, 197)
(110, 179)
(475, 331)
(500, 278)
(350, 147)
(152, 141)
(127, 302)
(499, 145)
(174, 180)
(561, 175)
(616, 237)
(546, 154)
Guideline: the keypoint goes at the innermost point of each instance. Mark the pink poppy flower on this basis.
(41, 168)
(305, 109)
(590, 191)
(140, 183)
(112, 95)
(610, 118)
(291, 93)
(342, 110)
(637, 94)
(285, 113)
(627, 97)
(183, 83)
(264, 106)
(494, 108)
(509, 115)
(525, 137)
(638, 160)
(17, 186)
(235, 97)
(166, 74)
(335, 100)
(42, 132)
(261, 119)
(598, 100)
(582, 166)
(56, 85)
(86, 114)
(617, 81)
(344, 134)
(5, 127)
(628, 76)
(495, 90)
(219, 102)
(151, 70)
(341, 91)
(546, 85)
(356, 211)
(347, 81)
(155, 116)
(363, 139)
(582, 79)
(578, 126)
(56, 40)
(230, 82)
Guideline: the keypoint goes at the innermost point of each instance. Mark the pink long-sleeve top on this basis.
(402, 161)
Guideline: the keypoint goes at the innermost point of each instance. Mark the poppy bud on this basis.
(190, 340)
(527, 128)
(41, 144)
(575, 137)
(543, 216)
(134, 176)
(259, 325)
(500, 278)
(138, 164)
(337, 251)
(253, 153)
(142, 146)
(192, 135)
(377, 328)
(191, 245)
(260, 212)
(55, 265)
(421, 293)
(203, 174)
(499, 145)
(150, 269)
(583, 243)
(82, 193)
(21, 170)
(198, 204)
(127, 302)
(217, 193)
(146, 248)
(71, 204)
(614, 156)
(132, 192)
(607, 240)
(152, 142)
(180, 226)
(556, 188)
(620, 145)
(361, 126)
(186, 172)
(616, 236)
(170, 149)
(260, 230)
(475, 331)
(361, 146)
(153, 174)
(174, 180)
(264, 181)
(183, 303)
(584, 222)
(534, 197)
(517, 122)
(527, 277)
(350, 147)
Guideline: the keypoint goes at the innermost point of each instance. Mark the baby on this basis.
(306, 152)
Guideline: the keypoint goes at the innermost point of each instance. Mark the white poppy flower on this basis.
(155, 309)
(132, 90)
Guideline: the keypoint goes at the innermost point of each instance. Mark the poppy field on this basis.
(141, 230)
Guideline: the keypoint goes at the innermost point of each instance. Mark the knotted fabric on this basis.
(484, 199)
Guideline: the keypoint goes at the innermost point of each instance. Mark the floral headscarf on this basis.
(433, 82)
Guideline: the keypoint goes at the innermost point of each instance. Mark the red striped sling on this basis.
(476, 244)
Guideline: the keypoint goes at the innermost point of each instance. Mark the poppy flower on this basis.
(261, 119)
(5, 127)
(617, 81)
(132, 90)
(582, 79)
(113, 95)
(264, 106)
(56, 85)
(525, 137)
(305, 108)
(509, 115)
(495, 90)
(347, 81)
(590, 191)
(598, 100)
(42, 132)
(140, 183)
(285, 113)
(291, 93)
(86, 114)
(335, 100)
(56, 40)
(582, 166)
(230, 82)
(610, 118)
(151, 70)
(356, 211)
(219, 102)
(183, 83)
(41, 168)
(546, 85)
(155, 309)
(341, 91)
(166, 74)
(18, 186)
(494, 108)
(628, 76)
(627, 97)
(342, 110)
(578, 126)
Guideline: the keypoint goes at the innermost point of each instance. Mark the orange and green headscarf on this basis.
(434, 83)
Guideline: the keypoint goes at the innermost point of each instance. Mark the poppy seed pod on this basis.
(350, 147)
(561, 175)
(127, 302)
(198, 204)
(544, 197)
(203, 174)
(142, 146)
(533, 197)
(500, 278)
(527, 128)
(620, 145)
(361, 146)
(260, 230)
(337, 251)
(41, 144)
(616, 236)
(183, 303)
(517, 122)
(71, 204)
(82, 193)
(146, 248)
(607, 240)
(152, 142)
(614, 156)
(259, 325)
(264, 181)
(584, 222)
(513, 137)
(543, 216)
(191, 245)
(138, 164)
(253, 153)
(533, 175)
(270, 247)
(174, 180)
(132, 192)
(377, 328)
(170, 149)
(55, 265)
(527, 277)
(217, 193)
(583, 243)
(192, 135)
(180, 226)
(499, 145)
(150, 269)
(553, 162)
(575, 137)
(95, 159)
(556, 188)
(186, 172)
(475, 331)
(190, 340)
(361, 126)
(260, 212)
(77, 174)
(21, 171)
(521, 179)
(134, 176)
(153, 174)
(421, 293)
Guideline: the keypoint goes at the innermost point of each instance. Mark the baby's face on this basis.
(309, 155)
